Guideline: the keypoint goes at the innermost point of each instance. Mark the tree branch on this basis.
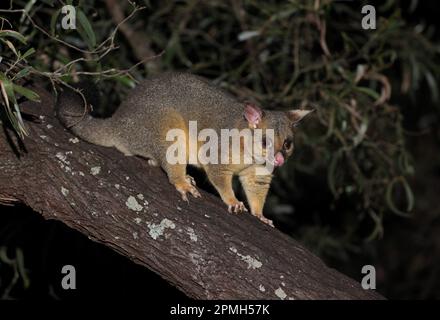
(129, 206)
(138, 40)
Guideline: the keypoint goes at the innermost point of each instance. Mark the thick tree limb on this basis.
(125, 204)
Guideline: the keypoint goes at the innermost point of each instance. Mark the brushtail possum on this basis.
(170, 101)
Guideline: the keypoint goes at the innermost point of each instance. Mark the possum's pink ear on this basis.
(253, 114)
(295, 116)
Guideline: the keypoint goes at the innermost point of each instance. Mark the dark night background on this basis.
(346, 228)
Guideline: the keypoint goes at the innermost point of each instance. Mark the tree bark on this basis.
(129, 206)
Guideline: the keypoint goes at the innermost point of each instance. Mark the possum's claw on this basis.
(267, 221)
(237, 207)
(187, 186)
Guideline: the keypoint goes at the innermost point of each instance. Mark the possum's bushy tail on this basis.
(73, 114)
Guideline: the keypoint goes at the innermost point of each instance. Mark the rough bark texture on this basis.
(129, 206)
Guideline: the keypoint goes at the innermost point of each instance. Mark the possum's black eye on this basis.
(287, 145)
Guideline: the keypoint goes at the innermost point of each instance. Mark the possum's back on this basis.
(195, 98)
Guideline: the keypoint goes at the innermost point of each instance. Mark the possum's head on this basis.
(276, 143)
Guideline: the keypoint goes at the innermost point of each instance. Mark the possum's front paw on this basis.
(236, 207)
(187, 185)
(266, 221)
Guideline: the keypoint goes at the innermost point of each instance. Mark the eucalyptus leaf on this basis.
(85, 24)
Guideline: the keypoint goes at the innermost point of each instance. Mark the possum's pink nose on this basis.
(279, 159)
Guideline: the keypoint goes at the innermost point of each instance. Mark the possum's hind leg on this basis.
(183, 183)
(176, 172)
(154, 146)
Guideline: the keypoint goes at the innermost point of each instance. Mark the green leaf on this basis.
(4, 256)
(368, 92)
(31, 95)
(28, 53)
(27, 8)
(85, 24)
(21, 269)
(332, 172)
(22, 73)
(378, 226)
(13, 34)
(53, 21)
(14, 116)
(126, 81)
(409, 196)
(433, 87)
(10, 45)
(361, 133)
(405, 164)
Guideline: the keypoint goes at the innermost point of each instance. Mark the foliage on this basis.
(19, 273)
(9, 89)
